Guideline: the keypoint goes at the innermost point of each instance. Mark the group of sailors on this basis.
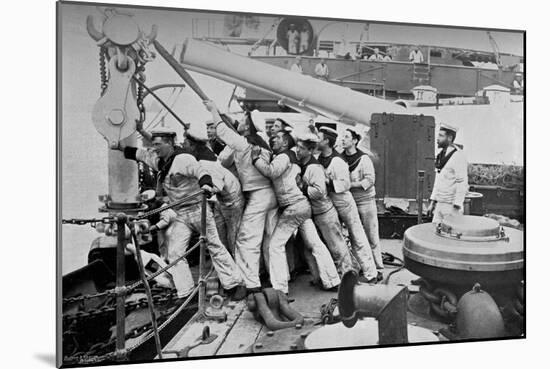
(265, 190)
(298, 39)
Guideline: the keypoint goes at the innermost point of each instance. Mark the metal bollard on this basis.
(388, 304)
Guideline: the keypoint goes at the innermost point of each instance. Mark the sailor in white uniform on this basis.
(295, 214)
(362, 178)
(228, 205)
(325, 216)
(451, 179)
(179, 175)
(293, 37)
(258, 192)
(338, 183)
(416, 56)
(296, 67)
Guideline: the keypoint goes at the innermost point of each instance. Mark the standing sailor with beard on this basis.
(324, 213)
(338, 177)
(362, 189)
(228, 208)
(296, 214)
(258, 192)
(451, 179)
(179, 175)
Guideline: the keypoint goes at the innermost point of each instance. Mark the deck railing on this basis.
(123, 221)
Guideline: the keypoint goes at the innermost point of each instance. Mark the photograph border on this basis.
(59, 175)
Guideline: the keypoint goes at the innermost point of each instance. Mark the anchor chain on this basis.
(158, 299)
(92, 355)
(443, 302)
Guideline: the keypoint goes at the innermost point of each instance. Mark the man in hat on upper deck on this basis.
(376, 56)
(228, 208)
(338, 179)
(517, 84)
(295, 214)
(258, 192)
(321, 70)
(451, 178)
(297, 65)
(416, 56)
(362, 189)
(180, 175)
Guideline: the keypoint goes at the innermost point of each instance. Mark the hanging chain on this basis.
(140, 71)
(103, 68)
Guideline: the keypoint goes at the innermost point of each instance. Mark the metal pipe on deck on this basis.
(420, 195)
(149, 295)
(202, 255)
(120, 287)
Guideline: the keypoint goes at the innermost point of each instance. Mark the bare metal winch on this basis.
(465, 250)
(472, 271)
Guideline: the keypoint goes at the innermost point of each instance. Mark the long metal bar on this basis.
(159, 100)
(149, 296)
(179, 70)
(420, 196)
(164, 85)
(386, 164)
(232, 97)
(120, 287)
(381, 84)
(202, 257)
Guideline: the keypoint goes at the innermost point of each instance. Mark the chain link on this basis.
(103, 68)
(140, 91)
(158, 299)
(132, 287)
(92, 354)
(93, 221)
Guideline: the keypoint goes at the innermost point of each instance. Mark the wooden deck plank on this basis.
(193, 330)
(241, 330)
(242, 336)
(308, 299)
